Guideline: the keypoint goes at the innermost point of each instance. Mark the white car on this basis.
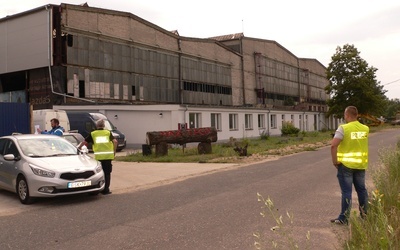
(46, 166)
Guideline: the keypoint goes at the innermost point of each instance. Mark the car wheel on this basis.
(23, 191)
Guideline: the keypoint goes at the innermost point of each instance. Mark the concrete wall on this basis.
(117, 24)
(136, 121)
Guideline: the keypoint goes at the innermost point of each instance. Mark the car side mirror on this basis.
(11, 157)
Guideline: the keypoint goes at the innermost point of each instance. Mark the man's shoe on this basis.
(105, 193)
(339, 222)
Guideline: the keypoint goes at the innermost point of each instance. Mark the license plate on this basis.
(79, 184)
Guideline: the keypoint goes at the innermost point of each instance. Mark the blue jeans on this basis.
(347, 177)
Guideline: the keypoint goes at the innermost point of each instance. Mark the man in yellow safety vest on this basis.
(349, 151)
(104, 148)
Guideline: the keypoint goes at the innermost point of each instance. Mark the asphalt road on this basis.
(213, 211)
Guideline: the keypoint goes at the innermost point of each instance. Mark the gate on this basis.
(14, 117)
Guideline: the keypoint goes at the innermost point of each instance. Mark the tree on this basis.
(393, 106)
(353, 83)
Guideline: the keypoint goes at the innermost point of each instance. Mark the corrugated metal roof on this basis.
(228, 37)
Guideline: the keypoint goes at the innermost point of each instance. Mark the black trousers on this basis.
(107, 169)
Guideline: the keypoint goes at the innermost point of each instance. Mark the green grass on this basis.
(224, 153)
(381, 228)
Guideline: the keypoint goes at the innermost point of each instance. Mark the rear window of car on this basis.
(71, 139)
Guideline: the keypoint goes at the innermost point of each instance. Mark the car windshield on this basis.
(45, 147)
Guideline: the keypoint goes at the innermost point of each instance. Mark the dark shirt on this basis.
(89, 138)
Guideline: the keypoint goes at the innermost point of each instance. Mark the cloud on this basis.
(372, 27)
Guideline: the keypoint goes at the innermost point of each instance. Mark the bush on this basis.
(289, 129)
(264, 135)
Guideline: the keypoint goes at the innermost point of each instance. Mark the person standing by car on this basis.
(56, 129)
(104, 148)
(349, 151)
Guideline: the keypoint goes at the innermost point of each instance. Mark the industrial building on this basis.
(145, 78)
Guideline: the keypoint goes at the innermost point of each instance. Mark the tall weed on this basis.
(381, 227)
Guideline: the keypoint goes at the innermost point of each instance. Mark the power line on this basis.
(391, 82)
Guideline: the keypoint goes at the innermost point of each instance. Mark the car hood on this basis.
(117, 133)
(62, 163)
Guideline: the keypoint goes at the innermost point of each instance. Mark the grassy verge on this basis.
(381, 228)
(224, 152)
(257, 150)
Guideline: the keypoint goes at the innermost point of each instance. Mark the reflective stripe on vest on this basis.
(61, 131)
(353, 149)
(102, 146)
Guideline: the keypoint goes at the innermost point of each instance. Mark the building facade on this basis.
(79, 57)
(273, 76)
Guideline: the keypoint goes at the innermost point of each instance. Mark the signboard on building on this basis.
(25, 41)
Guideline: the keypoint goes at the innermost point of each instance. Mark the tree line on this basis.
(352, 82)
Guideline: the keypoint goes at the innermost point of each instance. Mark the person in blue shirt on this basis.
(56, 128)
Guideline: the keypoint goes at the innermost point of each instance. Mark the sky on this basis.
(307, 28)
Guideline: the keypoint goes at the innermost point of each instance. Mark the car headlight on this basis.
(41, 172)
(98, 167)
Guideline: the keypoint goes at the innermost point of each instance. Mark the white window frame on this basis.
(273, 121)
(248, 121)
(194, 120)
(300, 122)
(233, 121)
(306, 123)
(261, 121)
(216, 121)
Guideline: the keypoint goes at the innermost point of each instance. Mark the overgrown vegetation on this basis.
(258, 148)
(380, 229)
(224, 152)
(282, 228)
(289, 129)
(393, 106)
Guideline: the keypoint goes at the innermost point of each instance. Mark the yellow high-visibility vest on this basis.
(353, 149)
(103, 148)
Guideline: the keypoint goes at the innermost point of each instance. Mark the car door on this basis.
(2, 166)
(8, 169)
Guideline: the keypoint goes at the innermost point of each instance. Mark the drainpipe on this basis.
(181, 88)
(184, 115)
(322, 122)
(298, 79)
(242, 69)
(269, 111)
(49, 45)
(319, 122)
